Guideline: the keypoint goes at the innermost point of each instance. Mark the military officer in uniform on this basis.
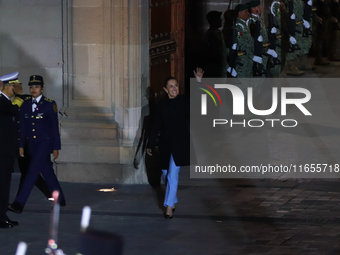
(24, 162)
(278, 13)
(322, 15)
(40, 130)
(332, 29)
(8, 140)
(295, 15)
(305, 42)
(244, 43)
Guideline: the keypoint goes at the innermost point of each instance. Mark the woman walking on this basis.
(40, 130)
(172, 122)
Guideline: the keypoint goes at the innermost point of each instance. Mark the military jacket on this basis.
(41, 126)
(252, 20)
(8, 127)
(245, 43)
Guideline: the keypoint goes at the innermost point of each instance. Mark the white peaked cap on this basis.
(9, 76)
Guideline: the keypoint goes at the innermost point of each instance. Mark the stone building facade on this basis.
(93, 55)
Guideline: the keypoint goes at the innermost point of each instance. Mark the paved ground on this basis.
(213, 217)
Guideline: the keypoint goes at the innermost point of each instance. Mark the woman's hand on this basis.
(55, 154)
(199, 74)
(148, 151)
(21, 152)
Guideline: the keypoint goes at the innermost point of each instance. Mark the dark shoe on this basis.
(173, 209)
(294, 71)
(13, 222)
(15, 207)
(167, 216)
(5, 224)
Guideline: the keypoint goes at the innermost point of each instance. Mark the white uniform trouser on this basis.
(170, 177)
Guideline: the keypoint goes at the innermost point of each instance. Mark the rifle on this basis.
(291, 26)
(258, 68)
(272, 40)
(233, 56)
(307, 15)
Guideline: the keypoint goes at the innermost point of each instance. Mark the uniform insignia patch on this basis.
(48, 100)
(55, 107)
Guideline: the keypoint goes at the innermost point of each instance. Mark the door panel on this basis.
(167, 22)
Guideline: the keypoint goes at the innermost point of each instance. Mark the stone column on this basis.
(105, 74)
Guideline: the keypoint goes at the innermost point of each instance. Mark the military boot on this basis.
(321, 62)
(292, 69)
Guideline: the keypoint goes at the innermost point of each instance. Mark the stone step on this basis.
(88, 133)
(68, 123)
(89, 141)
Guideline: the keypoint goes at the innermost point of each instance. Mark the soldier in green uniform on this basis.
(322, 15)
(244, 43)
(295, 15)
(305, 38)
(332, 29)
(278, 13)
(260, 36)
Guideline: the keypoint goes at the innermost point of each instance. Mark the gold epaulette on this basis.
(48, 100)
(27, 98)
(299, 22)
(314, 9)
(278, 36)
(266, 44)
(241, 53)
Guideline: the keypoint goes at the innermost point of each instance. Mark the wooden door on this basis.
(167, 23)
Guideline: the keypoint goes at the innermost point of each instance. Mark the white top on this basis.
(4, 95)
(34, 105)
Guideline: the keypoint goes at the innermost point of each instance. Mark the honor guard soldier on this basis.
(260, 35)
(11, 86)
(277, 31)
(295, 24)
(306, 35)
(40, 130)
(322, 15)
(244, 43)
(333, 27)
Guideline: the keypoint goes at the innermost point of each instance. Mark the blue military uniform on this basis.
(9, 145)
(39, 129)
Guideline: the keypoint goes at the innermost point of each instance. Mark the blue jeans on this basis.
(170, 177)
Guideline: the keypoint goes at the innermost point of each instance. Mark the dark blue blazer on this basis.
(40, 128)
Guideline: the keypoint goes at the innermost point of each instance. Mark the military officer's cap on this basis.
(10, 78)
(213, 15)
(241, 7)
(254, 3)
(36, 80)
